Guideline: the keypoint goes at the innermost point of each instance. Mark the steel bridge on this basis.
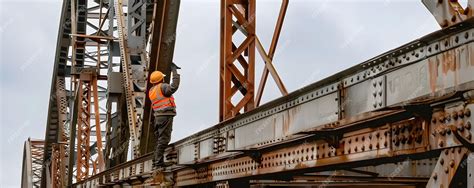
(401, 119)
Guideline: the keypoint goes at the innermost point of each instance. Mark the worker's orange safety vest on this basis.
(160, 102)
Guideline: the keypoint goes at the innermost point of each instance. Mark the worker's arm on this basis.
(170, 89)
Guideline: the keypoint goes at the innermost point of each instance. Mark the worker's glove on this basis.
(174, 66)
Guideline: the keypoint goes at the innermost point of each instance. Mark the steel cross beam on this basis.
(269, 57)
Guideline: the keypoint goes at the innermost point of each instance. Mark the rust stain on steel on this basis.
(433, 72)
(286, 124)
(441, 65)
(448, 62)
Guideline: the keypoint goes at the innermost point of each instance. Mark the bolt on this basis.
(419, 138)
(442, 132)
(363, 148)
(441, 161)
(403, 139)
(435, 176)
(441, 119)
(396, 141)
(377, 145)
(460, 128)
(395, 130)
(446, 170)
(455, 116)
(370, 146)
(440, 143)
(377, 134)
(433, 120)
(448, 130)
(409, 139)
(467, 112)
(461, 114)
(468, 125)
(451, 163)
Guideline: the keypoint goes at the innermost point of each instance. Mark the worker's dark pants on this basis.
(162, 127)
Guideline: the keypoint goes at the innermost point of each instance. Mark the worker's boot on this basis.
(157, 177)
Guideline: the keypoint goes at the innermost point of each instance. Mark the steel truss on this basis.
(354, 125)
(424, 127)
(239, 17)
(32, 163)
(87, 93)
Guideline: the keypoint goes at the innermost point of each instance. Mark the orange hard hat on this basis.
(156, 76)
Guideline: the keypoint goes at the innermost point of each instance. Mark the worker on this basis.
(164, 109)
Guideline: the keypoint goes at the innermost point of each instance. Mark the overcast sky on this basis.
(319, 38)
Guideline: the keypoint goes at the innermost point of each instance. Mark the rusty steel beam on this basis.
(83, 126)
(230, 104)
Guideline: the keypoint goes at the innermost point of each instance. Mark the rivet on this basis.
(468, 125)
(442, 132)
(467, 112)
(419, 138)
(435, 176)
(441, 161)
(448, 118)
(440, 143)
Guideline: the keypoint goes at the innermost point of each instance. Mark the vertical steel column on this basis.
(232, 79)
(83, 126)
(60, 148)
(136, 41)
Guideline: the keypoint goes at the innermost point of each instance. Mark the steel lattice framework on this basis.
(403, 118)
